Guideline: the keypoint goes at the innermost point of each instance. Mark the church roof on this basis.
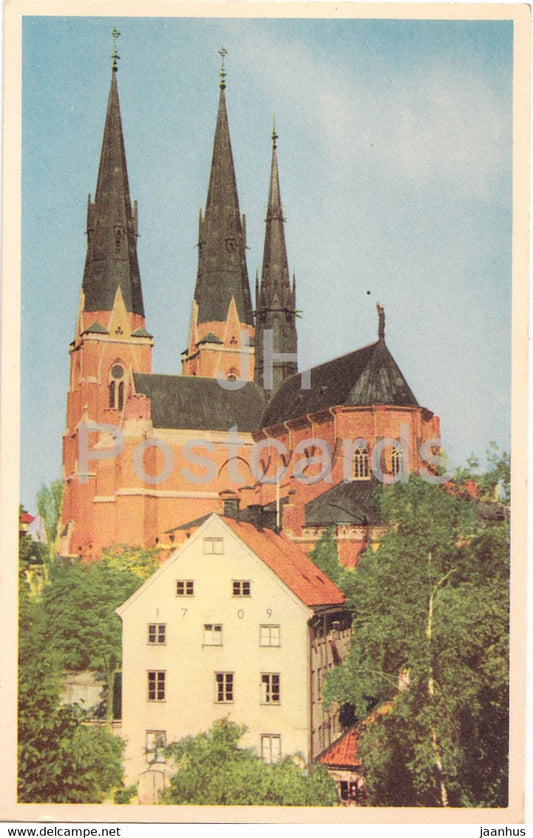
(222, 273)
(346, 503)
(111, 260)
(364, 377)
(180, 401)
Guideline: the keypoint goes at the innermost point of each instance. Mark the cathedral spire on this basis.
(111, 260)
(275, 303)
(222, 274)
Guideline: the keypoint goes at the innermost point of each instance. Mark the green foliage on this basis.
(141, 561)
(80, 605)
(49, 500)
(325, 555)
(60, 759)
(431, 609)
(494, 483)
(124, 795)
(211, 769)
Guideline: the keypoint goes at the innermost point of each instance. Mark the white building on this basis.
(238, 622)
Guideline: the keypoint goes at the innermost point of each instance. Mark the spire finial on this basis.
(222, 52)
(114, 55)
(274, 134)
(381, 321)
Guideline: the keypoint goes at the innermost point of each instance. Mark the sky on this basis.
(395, 158)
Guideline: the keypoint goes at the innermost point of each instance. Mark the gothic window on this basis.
(116, 387)
(396, 461)
(360, 464)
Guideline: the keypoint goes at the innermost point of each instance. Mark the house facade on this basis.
(237, 623)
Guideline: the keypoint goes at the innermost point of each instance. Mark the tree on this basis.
(211, 769)
(49, 500)
(85, 632)
(430, 637)
(141, 561)
(60, 759)
(325, 555)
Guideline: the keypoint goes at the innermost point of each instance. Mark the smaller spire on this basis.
(381, 321)
(275, 136)
(222, 52)
(114, 55)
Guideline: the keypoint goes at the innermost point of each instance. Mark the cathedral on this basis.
(147, 457)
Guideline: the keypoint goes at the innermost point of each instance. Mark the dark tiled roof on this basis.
(210, 337)
(96, 328)
(180, 401)
(345, 503)
(367, 376)
(141, 333)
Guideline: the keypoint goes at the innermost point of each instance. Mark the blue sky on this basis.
(395, 143)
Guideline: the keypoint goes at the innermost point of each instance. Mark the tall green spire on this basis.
(111, 260)
(222, 272)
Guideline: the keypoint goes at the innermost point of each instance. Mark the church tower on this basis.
(275, 326)
(221, 332)
(111, 342)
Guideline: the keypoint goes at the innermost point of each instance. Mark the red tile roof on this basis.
(290, 563)
(26, 518)
(344, 752)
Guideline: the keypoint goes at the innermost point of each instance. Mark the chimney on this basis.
(231, 504)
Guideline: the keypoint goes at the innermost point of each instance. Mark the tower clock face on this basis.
(117, 371)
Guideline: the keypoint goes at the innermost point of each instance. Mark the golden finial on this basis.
(274, 135)
(114, 55)
(222, 52)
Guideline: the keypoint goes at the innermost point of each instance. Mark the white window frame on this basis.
(213, 634)
(269, 634)
(155, 740)
(227, 680)
(213, 545)
(154, 685)
(270, 689)
(240, 590)
(271, 747)
(188, 587)
(159, 634)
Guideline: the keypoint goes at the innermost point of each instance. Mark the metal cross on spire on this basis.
(274, 132)
(222, 52)
(114, 55)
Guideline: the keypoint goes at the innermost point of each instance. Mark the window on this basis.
(116, 387)
(270, 688)
(223, 687)
(156, 740)
(212, 634)
(241, 587)
(185, 587)
(360, 464)
(214, 546)
(269, 636)
(351, 791)
(270, 746)
(156, 686)
(157, 633)
(396, 461)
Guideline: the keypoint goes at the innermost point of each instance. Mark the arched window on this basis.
(116, 387)
(396, 461)
(360, 464)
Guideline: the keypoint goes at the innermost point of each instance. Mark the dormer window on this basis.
(360, 464)
(116, 387)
